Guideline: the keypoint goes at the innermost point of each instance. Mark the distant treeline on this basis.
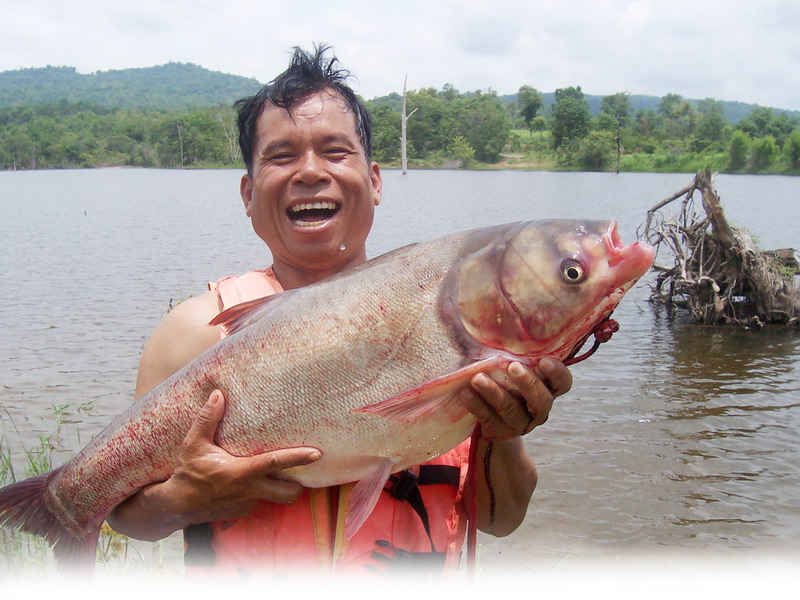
(524, 131)
(448, 128)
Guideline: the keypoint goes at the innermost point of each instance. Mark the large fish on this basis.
(364, 366)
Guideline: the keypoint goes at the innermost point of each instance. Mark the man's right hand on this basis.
(208, 483)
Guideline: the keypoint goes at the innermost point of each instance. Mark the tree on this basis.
(226, 118)
(530, 101)
(485, 125)
(618, 107)
(461, 150)
(19, 147)
(759, 123)
(448, 93)
(765, 151)
(647, 123)
(597, 150)
(430, 129)
(45, 134)
(711, 125)
(385, 132)
(739, 150)
(571, 116)
(680, 116)
(763, 122)
(792, 150)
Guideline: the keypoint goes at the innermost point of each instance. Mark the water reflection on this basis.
(674, 435)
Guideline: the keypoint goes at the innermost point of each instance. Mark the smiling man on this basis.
(310, 191)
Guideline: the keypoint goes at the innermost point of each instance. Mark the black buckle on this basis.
(403, 484)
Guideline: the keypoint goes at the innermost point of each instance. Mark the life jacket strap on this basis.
(405, 488)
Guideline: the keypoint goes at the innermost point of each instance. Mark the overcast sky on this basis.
(725, 49)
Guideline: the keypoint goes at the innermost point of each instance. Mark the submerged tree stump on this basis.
(717, 272)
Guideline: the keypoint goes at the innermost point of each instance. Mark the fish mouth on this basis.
(633, 260)
(614, 244)
(312, 213)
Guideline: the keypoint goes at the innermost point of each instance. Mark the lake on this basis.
(677, 440)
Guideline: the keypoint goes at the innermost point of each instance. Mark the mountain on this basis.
(170, 86)
(185, 85)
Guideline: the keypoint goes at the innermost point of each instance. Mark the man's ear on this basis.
(246, 191)
(377, 182)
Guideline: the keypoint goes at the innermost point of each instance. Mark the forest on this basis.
(448, 129)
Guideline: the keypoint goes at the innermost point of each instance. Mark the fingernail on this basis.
(516, 368)
(547, 364)
(481, 379)
(314, 455)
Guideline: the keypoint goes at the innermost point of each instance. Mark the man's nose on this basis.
(311, 168)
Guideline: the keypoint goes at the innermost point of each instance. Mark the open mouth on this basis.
(637, 257)
(312, 214)
(614, 244)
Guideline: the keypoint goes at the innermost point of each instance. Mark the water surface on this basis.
(676, 437)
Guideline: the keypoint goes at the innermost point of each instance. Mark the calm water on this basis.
(675, 438)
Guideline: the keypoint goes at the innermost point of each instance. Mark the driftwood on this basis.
(717, 272)
(403, 128)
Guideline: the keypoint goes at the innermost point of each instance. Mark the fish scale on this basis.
(365, 366)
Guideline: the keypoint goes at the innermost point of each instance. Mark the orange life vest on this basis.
(419, 520)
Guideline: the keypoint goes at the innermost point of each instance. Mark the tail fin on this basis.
(22, 507)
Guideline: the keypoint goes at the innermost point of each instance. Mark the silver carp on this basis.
(365, 366)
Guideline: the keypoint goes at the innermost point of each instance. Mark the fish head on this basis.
(545, 285)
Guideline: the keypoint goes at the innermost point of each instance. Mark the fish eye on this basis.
(572, 271)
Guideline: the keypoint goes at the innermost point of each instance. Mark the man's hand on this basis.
(216, 485)
(506, 411)
(208, 483)
(503, 414)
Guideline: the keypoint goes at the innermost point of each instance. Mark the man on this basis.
(310, 192)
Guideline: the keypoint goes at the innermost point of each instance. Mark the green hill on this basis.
(184, 85)
(170, 86)
(734, 111)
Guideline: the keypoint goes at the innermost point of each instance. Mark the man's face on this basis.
(311, 192)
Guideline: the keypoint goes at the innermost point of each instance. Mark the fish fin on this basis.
(365, 496)
(22, 507)
(77, 555)
(432, 396)
(246, 313)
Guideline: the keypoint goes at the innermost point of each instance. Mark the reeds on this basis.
(22, 554)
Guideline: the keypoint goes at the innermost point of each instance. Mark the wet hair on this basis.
(307, 73)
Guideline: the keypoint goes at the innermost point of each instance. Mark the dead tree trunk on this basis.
(403, 127)
(717, 272)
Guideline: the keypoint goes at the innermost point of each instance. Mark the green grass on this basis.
(24, 554)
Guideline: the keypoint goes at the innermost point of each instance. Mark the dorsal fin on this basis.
(245, 314)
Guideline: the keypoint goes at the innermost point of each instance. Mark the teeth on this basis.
(313, 206)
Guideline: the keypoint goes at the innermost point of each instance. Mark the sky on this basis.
(747, 51)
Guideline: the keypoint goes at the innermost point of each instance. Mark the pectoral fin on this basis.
(364, 497)
(432, 396)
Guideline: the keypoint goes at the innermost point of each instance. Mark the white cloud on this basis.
(696, 48)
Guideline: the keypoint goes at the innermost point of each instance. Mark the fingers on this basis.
(501, 415)
(205, 424)
(272, 463)
(536, 395)
(519, 405)
(555, 375)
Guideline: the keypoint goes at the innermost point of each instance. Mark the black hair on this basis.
(307, 73)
